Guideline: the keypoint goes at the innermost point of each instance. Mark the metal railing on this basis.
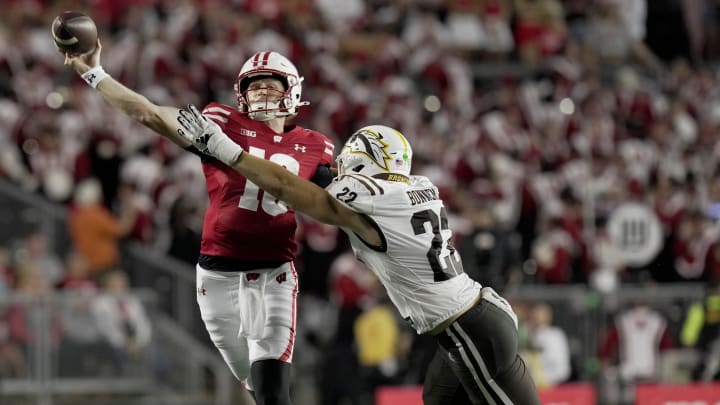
(585, 315)
(172, 368)
(198, 373)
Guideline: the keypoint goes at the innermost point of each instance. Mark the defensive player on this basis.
(246, 281)
(398, 227)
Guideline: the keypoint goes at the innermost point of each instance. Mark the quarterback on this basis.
(246, 281)
(398, 227)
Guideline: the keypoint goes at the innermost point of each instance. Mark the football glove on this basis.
(207, 136)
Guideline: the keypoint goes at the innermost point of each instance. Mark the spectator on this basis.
(701, 331)
(12, 360)
(83, 349)
(465, 28)
(351, 284)
(611, 40)
(122, 319)
(13, 363)
(35, 253)
(496, 26)
(699, 28)
(94, 230)
(489, 253)
(7, 276)
(185, 230)
(28, 321)
(320, 245)
(551, 345)
(379, 344)
(49, 159)
(554, 252)
(540, 29)
(631, 349)
(695, 239)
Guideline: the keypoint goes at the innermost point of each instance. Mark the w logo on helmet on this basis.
(371, 144)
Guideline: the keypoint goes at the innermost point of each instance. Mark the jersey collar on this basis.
(401, 178)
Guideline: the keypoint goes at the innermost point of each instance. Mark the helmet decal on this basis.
(371, 144)
(375, 150)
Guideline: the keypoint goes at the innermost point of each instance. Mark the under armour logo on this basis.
(300, 148)
(281, 278)
(252, 276)
(92, 78)
(201, 291)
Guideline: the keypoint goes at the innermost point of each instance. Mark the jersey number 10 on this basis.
(272, 206)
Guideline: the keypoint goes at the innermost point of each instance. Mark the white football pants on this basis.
(249, 315)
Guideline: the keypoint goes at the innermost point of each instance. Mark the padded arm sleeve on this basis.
(323, 176)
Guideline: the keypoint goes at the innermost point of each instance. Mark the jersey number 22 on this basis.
(452, 264)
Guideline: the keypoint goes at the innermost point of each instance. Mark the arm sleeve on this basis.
(323, 176)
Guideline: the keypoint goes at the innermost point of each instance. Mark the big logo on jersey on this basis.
(371, 144)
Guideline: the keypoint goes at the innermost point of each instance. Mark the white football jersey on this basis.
(418, 266)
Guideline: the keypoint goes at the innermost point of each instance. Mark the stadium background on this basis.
(575, 142)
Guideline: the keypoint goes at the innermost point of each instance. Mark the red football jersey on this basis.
(242, 221)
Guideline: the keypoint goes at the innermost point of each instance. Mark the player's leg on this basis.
(216, 297)
(483, 347)
(441, 385)
(518, 382)
(271, 382)
(272, 341)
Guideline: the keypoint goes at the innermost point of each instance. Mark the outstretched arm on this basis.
(160, 119)
(303, 195)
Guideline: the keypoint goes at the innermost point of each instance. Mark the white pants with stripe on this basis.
(249, 315)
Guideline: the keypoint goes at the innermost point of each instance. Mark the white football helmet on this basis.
(270, 64)
(373, 150)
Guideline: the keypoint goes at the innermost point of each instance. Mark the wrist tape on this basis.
(94, 76)
(225, 150)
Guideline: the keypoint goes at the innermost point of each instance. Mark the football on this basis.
(74, 32)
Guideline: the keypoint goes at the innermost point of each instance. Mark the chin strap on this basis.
(261, 116)
(266, 114)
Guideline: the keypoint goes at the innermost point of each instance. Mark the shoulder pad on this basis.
(328, 147)
(421, 181)
(217, 112)
(356, 191)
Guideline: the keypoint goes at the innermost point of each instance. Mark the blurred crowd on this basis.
(538, 119)
(91, 325)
